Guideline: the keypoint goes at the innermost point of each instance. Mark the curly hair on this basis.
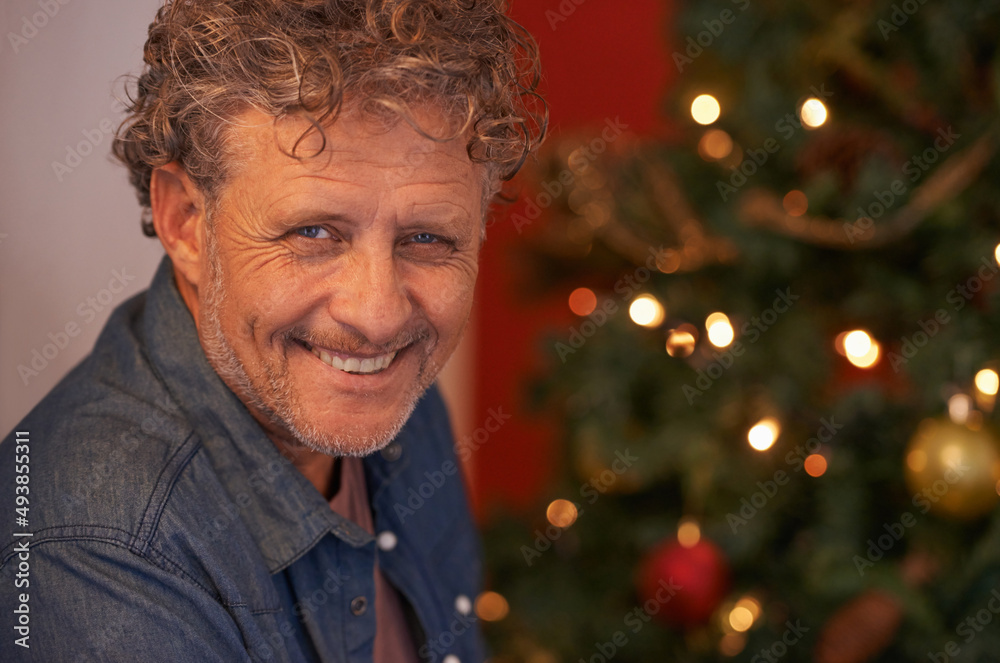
(209, 61)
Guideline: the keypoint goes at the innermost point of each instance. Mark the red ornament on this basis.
(698, 578)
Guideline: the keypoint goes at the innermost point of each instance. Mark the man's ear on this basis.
(178, 208)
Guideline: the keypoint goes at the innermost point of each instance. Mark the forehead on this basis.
(353, 141)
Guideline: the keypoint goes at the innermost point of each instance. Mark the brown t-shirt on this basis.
(393, 640)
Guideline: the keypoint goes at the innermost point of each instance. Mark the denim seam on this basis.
(161, 491)
(177, 570)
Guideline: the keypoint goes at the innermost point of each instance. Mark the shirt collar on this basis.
(285, 514)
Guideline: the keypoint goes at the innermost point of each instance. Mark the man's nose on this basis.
(373, 298)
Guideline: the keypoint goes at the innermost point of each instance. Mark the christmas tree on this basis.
(778, 394)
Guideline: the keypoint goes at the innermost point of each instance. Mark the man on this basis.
(225, 478)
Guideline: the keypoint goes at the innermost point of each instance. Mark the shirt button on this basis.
(392, 452)
(387, 540)
(463, 604)
(451, 658)
(359, 605)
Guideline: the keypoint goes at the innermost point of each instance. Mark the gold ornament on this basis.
(953, 469)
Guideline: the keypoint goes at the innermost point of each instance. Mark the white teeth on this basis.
(354, 365)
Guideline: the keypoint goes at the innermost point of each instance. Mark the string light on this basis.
(959, 407)
(764, 433)
(491, 606)
(705, 109)
(561, 513)
(813, 113)
(987, 382)
(720, 330)
(815, 465)
(715, 145)
(861, 349)
(752, 605)
(996, 254)
(795, 203)
(646, 311)
(740, 619)
(681, 341)
(688, 533)
(731, 644)
(582, 301)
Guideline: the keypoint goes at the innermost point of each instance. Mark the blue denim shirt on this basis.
(165, 526)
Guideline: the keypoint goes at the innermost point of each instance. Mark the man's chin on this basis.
(340, 438)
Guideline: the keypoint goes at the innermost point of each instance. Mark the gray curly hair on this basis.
(209, 61)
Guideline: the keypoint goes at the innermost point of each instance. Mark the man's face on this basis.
(338, 285)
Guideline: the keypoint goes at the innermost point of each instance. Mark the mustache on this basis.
(353, 342)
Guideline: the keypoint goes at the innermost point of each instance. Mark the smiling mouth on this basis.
(353, 365)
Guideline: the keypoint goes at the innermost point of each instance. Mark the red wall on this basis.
(601, 59)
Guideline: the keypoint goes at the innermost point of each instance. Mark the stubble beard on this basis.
(272, 395)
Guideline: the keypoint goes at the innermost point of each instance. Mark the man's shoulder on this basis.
(97, 446)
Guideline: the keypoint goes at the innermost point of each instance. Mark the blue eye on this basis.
(424, 238)
(311, 232)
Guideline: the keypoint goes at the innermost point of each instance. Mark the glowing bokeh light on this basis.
(646, 311)
(751, 604)
(764, 434)
(795, 203)
(688, 533)
(561, 513)
(988, 382)
(861, 349)
(732, 644)
(741, 619)
(715, 145)
(705, 109)
(720, 330)
(813, 113)
(582, 301)
(959, 407)
(815, 465)
(681, 342)
(491, 607)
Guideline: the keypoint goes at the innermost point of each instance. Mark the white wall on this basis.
(64, 235)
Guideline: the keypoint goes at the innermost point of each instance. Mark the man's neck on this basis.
(319, 468)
